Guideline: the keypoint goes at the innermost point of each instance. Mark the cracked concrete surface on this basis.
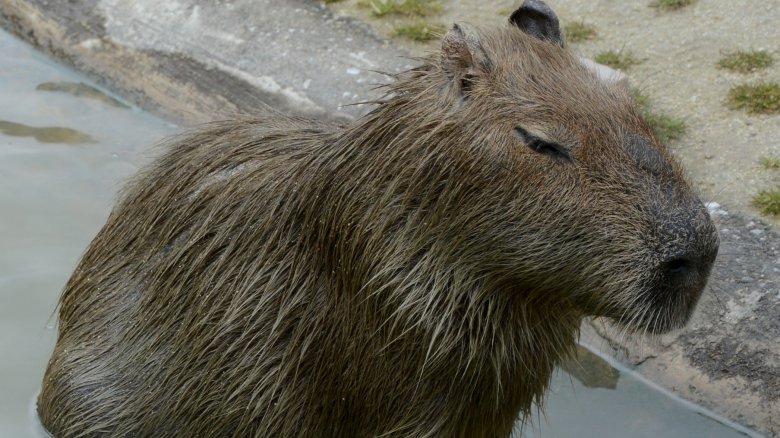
(198, 60)
(194, 61)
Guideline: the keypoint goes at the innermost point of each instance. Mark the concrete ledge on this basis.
(196, 60)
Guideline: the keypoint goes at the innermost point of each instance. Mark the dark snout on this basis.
(691, 267)
(690, 247)
(691, 242)
(687, 251)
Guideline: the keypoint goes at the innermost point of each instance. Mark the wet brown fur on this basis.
(419, 272)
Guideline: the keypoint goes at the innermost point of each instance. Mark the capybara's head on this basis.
(551, 184)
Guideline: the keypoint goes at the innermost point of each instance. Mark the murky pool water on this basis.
(66, 147)
(63, 154)
(603, 399)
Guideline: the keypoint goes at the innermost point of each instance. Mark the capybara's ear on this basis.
(535, 18)
(463, 57)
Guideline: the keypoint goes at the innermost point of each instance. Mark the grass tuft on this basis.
(768, 201)
(761, 98)
(579, 31)
(745, 61)
(671, 5)
(770, 162)
(642, 100)
(420, 31)
(665, 127)
(620, 60)
(408, 8)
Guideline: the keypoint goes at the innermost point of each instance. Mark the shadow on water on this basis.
(80, 89)
(591, 370)
(46, 134)
(594, 396)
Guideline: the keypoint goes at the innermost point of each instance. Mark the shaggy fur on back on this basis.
(419, 272)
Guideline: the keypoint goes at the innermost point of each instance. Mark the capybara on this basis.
(419, 272)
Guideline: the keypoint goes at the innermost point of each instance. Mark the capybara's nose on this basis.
(693, 265)
(678, 266)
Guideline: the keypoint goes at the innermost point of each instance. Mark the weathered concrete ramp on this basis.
(198, 60)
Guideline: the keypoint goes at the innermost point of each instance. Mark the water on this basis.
(63, 155)
(66, 147)
(606, 399)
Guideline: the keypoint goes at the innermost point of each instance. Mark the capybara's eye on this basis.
(536, 144)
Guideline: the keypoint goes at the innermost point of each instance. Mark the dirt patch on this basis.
(724, 360)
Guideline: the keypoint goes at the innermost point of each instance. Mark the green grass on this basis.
(770, 162)
(761, 98)
(420, 31)
(579, 31)
(642, 100)
(620, 60)
(665, 127)
(671, 5)
(745, 61)
(408, 8)
(330, 1)
(768, 201)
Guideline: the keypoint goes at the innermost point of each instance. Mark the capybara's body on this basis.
(419, 272)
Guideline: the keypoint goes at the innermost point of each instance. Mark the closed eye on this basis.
(536, 144)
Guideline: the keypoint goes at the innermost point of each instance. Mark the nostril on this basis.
(678, 266)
